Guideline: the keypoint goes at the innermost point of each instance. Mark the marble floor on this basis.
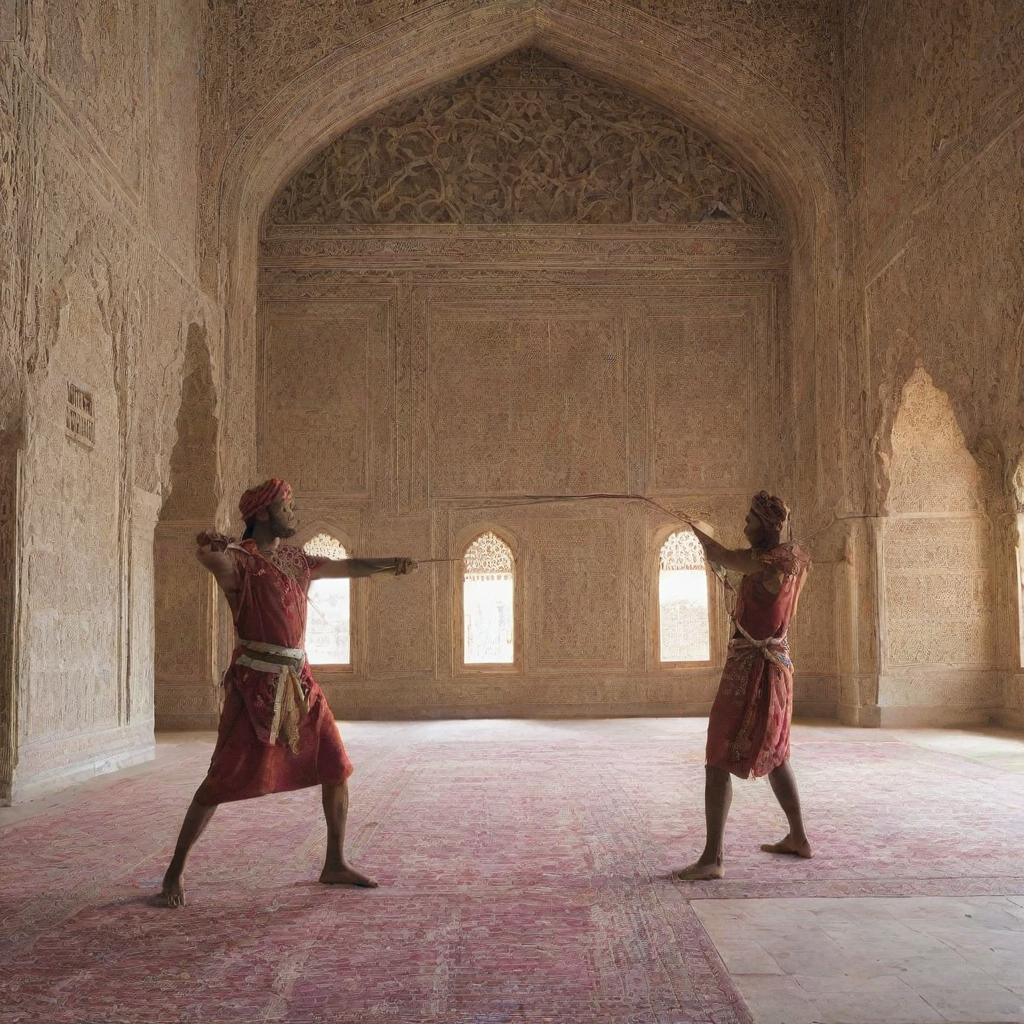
(911, 912)
(883, 960)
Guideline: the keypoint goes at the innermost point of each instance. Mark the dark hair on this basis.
(250, 528)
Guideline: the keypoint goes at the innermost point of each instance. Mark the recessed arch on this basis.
(186, 606)
(938, 583)
(754, 123)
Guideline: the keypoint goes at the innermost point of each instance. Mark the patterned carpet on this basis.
(524, 870)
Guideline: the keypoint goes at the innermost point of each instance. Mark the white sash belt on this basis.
(774, 648)
(290, 701)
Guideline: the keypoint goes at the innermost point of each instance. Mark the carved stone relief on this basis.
(527, 139)
(319, 371)
(327, 376)
(90, 314)
(793, 42)
(703, 389)
(938, 584)
(400, 610)
(93, 54)
(525, 400)
(102, 91)
(176, 36)
(522, 385)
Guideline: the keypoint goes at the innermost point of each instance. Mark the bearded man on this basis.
(276, 732)
(748, 731)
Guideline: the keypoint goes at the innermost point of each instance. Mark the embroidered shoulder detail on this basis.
(292, 562)
(789, 559)
(287, 559)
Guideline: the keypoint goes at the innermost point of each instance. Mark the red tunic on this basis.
(271, 608)
(748, 732)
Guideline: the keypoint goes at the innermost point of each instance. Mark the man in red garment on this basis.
(748, 731)
(276, 731)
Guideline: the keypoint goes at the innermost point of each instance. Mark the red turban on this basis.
(772, 511)
(262, 496)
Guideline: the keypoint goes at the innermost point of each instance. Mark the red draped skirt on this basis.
(244, 765)
(748, 732)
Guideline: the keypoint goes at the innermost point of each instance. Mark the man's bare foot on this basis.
(700, 872)
(172, 894)
(346, 876)
(791, 846)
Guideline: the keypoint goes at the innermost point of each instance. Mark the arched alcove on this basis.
(186, 603)
(939, 617)
(712, 91)
(761, 139)
(538, 252)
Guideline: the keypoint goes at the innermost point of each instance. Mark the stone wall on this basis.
(935, 111)
(99, 198)
(867, 157)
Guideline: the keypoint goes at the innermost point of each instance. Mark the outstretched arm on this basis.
(348, 568)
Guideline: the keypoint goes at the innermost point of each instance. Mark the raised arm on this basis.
(348, 568)
(743, 560)
(212, 553)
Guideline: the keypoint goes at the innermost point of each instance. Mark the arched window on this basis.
(488, 601)
(328, 622)
(683, 600)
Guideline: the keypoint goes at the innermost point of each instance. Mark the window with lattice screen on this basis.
(684, 613)
(329, 618)
(488, 602)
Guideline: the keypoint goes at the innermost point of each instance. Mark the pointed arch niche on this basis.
(186, 612)
(938, 597)
(529, 276)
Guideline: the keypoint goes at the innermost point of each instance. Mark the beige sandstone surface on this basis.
(424, 256)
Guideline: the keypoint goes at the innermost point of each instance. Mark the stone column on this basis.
(8, 616)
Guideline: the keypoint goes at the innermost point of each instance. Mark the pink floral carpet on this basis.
(524, 874)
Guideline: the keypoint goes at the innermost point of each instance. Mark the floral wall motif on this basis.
(525, 140)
